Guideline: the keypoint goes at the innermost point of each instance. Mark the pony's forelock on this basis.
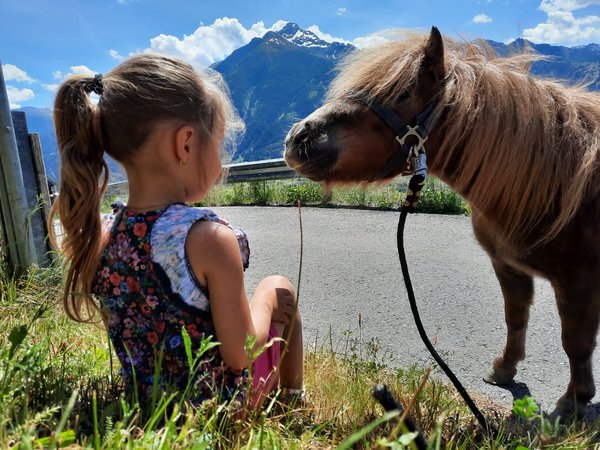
(381, 72)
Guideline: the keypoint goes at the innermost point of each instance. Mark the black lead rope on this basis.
(414, 188)
(415, 155)
(389, 403)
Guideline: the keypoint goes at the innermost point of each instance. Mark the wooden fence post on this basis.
(40, 173)
(15, 212)
(36, 185)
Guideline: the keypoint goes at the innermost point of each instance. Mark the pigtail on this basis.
(83, 179)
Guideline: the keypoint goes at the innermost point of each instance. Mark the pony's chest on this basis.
(522, 265)
(490, 238)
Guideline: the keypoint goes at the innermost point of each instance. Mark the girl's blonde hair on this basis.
(137, 94)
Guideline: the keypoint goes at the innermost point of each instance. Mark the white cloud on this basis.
(61, 76)
(562, 26)
(376, 38)
(324, 36)
(115, 55)
(209, 43)
(16, 95)
(212, 43)
(341, 11)
(73, 70)
(80, 70)
(481, 18)
(50, 87)
(278, 26)
(13, 73)
(566, 5)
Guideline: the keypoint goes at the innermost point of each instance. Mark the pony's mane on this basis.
(523, 151)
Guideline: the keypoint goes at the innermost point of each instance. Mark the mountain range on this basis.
(281, 77)
(276, 80)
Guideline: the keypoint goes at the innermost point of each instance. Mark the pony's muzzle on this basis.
(299, 132)
(307, 150)
(297, 141)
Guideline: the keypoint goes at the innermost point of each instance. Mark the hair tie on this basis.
(97, 86)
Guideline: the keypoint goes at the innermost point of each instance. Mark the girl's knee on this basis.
(280, 284)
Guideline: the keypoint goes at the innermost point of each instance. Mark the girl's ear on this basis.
(184, 137)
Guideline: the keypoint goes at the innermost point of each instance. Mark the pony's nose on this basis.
(298, 133)
(296, 143)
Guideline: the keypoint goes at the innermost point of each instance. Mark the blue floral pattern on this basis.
(148, 294)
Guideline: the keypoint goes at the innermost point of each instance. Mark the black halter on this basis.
(408, 154)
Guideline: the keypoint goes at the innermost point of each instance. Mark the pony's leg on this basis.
(517, 289)
(579, 308)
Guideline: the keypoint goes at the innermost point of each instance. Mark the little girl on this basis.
(157, 266)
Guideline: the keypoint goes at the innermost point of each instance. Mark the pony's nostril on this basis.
(303, 131)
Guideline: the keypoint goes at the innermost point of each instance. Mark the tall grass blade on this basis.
(58, 437)
(360, 434)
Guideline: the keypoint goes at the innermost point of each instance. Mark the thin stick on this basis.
(293, 322)
(301, 254)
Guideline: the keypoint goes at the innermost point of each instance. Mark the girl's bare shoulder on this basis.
(212, 244)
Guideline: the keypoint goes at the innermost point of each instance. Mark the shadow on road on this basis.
(593, 412)
(520, 390)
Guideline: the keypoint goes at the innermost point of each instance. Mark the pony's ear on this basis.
(433, 61)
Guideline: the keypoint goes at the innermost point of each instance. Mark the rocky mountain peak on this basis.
(304, 38)
(289, 30)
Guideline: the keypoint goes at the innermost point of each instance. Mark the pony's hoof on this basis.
(499, 376)
(567, 407)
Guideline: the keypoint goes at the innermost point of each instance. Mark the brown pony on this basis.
(524, 152)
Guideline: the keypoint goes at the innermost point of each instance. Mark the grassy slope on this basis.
(59, 380)
(52, 378)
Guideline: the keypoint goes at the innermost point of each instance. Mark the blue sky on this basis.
(42, 41)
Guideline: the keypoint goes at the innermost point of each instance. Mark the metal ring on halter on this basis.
(413, 131)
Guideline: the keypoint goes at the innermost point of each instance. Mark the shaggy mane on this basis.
(522, 150)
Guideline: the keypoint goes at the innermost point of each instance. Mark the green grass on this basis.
(59, 387)
(436, 197)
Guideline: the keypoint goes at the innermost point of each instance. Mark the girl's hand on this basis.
(285, 304)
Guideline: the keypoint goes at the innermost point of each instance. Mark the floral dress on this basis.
(149, 294)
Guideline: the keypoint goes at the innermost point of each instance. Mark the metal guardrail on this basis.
(269, 169)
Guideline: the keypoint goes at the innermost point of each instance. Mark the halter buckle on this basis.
(412, 131)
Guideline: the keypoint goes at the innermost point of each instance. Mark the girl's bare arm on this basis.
(214, 255)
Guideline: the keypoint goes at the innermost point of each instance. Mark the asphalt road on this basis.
(351, 270)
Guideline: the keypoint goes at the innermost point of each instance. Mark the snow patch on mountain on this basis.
(304, 38)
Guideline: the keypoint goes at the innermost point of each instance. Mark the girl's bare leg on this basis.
(292, 364)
